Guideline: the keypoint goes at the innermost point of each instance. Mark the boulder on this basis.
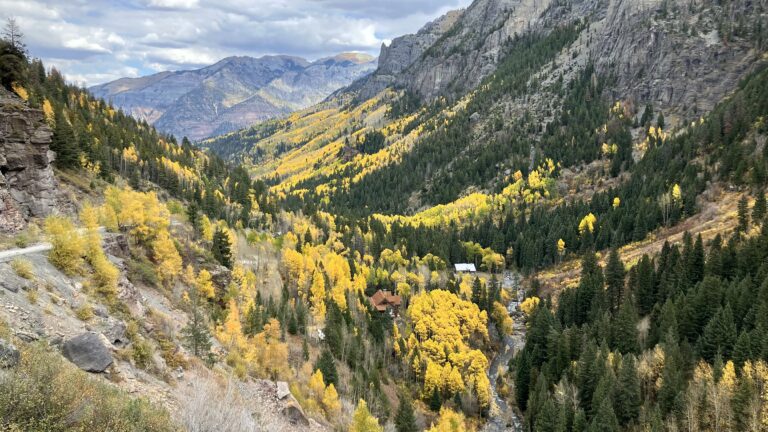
(9, 355)
(88, 352)
(282, 390)
(115, 333)
(294, 414)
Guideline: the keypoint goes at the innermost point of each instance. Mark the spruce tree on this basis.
(743, 210)
(196, 333)
(63, 143)
(405, 420)
(759, 209)
(327, 366)
(605, 419)
(614, 279)
(435, 402)
(628, 397)
(625, 330)
(221, 248)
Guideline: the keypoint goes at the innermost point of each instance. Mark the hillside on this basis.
(602, 165)
(233, 93)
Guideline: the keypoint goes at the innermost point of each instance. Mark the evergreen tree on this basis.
(221, 248)
(628, 397)
(13, 65)
(759, 209)
(327, 366)
(743, 210)
(625, 330)
(614, 279)
(645, 287)
(196, 333)
(435, 402)
(605, 419)
(63, 143)
(405, 420)
(193, 215)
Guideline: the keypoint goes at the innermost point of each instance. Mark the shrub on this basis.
(32, 296)
(44, 391)
(68, 245)
(142, 271)
(105, 276)
(84, 312)
(23, 268)
(141, 352)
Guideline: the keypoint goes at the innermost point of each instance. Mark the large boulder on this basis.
(9, 355)
(294, 414)
(88, 351)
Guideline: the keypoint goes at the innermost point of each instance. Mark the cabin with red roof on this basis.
(385, 301)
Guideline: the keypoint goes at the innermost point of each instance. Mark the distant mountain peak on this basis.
(232, 93)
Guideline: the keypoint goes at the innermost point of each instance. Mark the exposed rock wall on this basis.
(27, 183)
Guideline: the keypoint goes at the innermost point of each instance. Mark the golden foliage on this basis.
(68, 245)
(363, 420)
(450, 421)
(529, 305)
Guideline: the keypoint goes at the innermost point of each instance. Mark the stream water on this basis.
(502, 418)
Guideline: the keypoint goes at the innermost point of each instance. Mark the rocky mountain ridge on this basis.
(28, 187)
(232, 93)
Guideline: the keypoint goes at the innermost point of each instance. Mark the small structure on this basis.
(385, 301)
(465, 268)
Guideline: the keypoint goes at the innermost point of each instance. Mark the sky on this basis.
(96, 41)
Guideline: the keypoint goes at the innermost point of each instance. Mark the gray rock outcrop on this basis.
(27, 183)
(88, 352)
(9, 355)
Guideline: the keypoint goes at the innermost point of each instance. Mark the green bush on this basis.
(46, 393)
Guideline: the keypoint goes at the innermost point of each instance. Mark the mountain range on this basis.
(232, 93)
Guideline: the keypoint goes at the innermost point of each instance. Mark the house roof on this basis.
(462, 267)
(381, 299)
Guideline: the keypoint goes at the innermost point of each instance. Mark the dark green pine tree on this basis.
(628, 397)
(522, 380)
(743, 210)
(221, 249)
(660, 120)
(614, 280)
(13, 64)
(196, 335)
(579, 421)
(435, 402)
(193, 215)
(625, 329)
(759, 209)
(64, 143)
(646, 294)
(548, 417)
(405, 420)
(743, 350)
(327, 366)
(605, 420)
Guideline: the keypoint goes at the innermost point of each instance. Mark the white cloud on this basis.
(94, 40)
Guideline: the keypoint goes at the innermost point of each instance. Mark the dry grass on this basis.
(23, 268)
(719, 215)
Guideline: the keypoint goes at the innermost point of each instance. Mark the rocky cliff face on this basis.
(27, 184)
(233, 93)
(683, 56)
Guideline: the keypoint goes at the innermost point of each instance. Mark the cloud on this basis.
(93, 41)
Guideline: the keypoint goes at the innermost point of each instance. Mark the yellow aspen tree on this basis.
(331, 402)
(167, 258)
(450, 421)
(230, 334)
(616, 202)
(317, 296)
(206, 229)
(50, 116)
(68, 246)
(317, 385)
(529, 305)
(363, 420)
(205, 284)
